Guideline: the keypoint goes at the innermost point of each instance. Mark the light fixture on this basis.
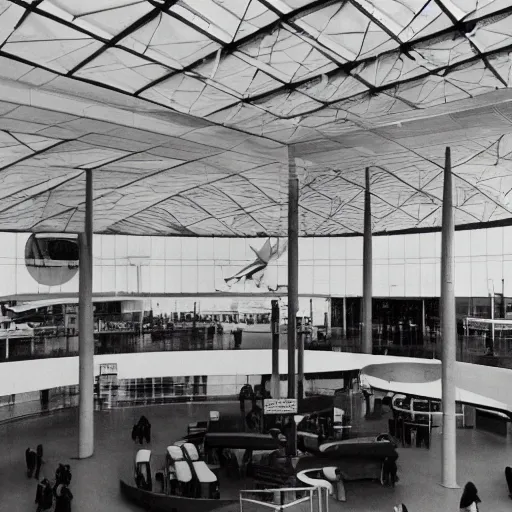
(298, 418)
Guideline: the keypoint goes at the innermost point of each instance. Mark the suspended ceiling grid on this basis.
(184, 109)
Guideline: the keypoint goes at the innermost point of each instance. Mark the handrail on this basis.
(323, 504)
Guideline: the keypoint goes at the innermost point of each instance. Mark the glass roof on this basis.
(184, 110)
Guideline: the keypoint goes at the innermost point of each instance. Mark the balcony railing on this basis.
(470, 349)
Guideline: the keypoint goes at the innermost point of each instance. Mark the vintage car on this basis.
(205, 482)
(142, 470)
(177, 473)
(356, 459)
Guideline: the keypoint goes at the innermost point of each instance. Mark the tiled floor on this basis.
(481, 458)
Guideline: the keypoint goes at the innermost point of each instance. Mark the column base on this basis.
(454, 485)
(82, 456)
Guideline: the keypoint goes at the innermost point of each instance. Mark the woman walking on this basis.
(470, 500)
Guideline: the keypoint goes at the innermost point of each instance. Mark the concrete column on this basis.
(6, 348)
(86, 330)
(448, 333)
(275, 386)
(367, 345)
(329, 318)
(194, 323)
(141, 324)
(423, 320)
(293, 282)
(493, 331)
(344, 317)
(300, 360)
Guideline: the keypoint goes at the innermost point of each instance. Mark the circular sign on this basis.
(52, 259)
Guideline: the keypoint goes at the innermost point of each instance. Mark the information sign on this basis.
(280, 406)
(108, 369)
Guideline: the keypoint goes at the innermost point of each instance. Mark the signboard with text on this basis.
(280, 406)
(108, 369)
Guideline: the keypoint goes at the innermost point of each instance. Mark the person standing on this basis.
(59, 475)
(147, 432)
(66, 477)
(143, 429)
(389, 471)
(31, 459)
(39, 460)
(63, 498)
(340, 486)
(44, 495)
(135, 432)
(508, 477)
(469, 500)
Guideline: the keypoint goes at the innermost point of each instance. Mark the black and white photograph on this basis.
(256, 255)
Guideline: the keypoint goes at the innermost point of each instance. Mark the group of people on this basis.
(142, 430)
(45, 492)
(60, 491)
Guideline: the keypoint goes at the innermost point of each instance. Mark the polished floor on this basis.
(481, 458)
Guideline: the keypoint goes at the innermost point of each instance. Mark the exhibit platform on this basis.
(481, 456)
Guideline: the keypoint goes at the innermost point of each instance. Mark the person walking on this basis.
(39, 460)
(469, 500)
(400, 508)
(44, 495)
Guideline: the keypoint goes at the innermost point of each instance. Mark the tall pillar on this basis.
(293, 282)
(275, 384)
(344, 317)
(423, 322)
(493, 331)
(6, 348)
(367, 345)
(86, 330)
(448, 333)
(328, 318)
(194, 317)
(141, 325)
(300, 360)
(311, 314)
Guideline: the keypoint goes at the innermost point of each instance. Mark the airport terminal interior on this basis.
(256, 255)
